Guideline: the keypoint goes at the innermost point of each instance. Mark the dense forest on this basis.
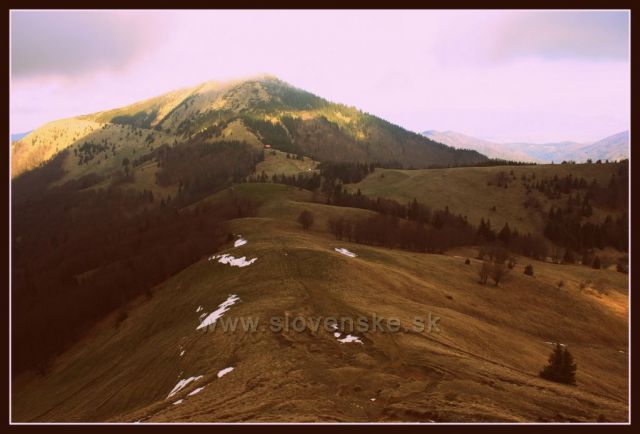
(80, 253)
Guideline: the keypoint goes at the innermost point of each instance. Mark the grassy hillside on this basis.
(474, 191)
(124, 221)
(481, 366)
(258, 111)
(276, 162)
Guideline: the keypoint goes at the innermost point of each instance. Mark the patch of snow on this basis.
(553, 343)
(224, 371)
(182, 384)
(349, 339)
(336, 334)
(373, 399)
(178, 402)
(181, 353)
(198, 309)
(239, 242)
(194, 391)
(203, 315)
(233, 261)
(345, 252)
(217, 314)
(334, 326)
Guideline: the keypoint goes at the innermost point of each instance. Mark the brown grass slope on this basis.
(466, 190)
(481, 366)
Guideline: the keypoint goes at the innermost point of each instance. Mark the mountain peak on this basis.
(258, 110)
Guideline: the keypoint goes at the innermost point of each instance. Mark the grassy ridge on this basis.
(466, 191)
(481, 367)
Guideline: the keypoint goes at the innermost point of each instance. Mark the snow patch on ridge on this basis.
(239, 242)
(194, 391)
(217, 314)
(233, 261)
(349, 339)
(225, 371)
(345, 252)
(554, 343)
(182, 384)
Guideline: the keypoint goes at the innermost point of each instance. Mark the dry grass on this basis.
(465, 190)
(276, 162)
(482, 366)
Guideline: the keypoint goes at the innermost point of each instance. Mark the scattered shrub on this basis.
(528, 270)
(485, 270)
(305, 219)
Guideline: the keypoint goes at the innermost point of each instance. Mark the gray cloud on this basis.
(566, 34)
(72, 42)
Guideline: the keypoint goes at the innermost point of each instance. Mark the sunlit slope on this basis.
(42, 144)
(260, 110)
(481, 366)
(472, 191)
(277, 163)
(91, 147)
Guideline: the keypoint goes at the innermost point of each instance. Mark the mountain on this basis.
(18, 136)
(490, 149)
(550, 151)
(263, 110)
(161, 270)
(615, 147)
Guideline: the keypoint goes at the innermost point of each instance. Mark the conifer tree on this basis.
(561, 367)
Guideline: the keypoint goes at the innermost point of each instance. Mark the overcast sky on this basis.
(502, 75)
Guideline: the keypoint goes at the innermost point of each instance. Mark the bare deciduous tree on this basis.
(485, 270)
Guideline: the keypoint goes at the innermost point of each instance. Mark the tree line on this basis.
(79, 254)
(199, 168)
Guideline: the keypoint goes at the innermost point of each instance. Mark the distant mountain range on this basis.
(18, 136)
(614, 147)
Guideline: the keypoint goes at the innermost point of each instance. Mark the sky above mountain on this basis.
(501, 75)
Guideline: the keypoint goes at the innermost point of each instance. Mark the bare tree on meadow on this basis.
(305, 219)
